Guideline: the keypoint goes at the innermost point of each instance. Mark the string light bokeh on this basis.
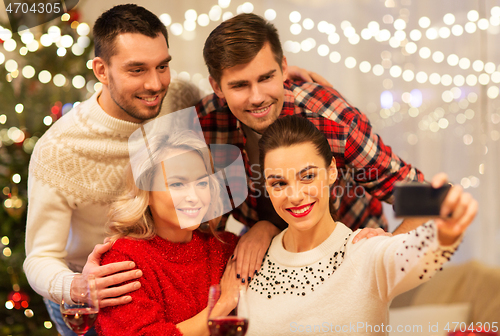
(406, 39)
(32, 87)
(427, 76)
(457, 81)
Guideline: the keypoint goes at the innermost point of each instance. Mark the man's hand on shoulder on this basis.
(299, 74)
(370, 233)
(111, 275)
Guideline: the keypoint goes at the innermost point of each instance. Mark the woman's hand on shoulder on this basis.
(230, 286)
(251, 249)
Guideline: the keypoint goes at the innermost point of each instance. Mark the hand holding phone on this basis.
(453, 208)
(416, 199)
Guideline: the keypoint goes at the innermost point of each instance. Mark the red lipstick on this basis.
(303, 214)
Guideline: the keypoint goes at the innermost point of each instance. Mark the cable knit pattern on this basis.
(76, 170)
(84, 154)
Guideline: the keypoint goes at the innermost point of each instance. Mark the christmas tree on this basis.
(44, 72)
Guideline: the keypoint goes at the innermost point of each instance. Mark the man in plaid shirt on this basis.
(248, 74)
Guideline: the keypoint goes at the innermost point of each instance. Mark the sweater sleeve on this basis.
(376, 166)
(144, 315)
(371, 163)
(400, 263)
(47, 230)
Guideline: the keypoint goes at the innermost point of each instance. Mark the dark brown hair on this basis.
(237, 41)
(295, 130)
(123, 19)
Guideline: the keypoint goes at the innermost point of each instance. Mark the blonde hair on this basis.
(130, 215)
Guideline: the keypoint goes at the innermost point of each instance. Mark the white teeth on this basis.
(298, 212)
(149, 99)
(259, 111)
(190, 211)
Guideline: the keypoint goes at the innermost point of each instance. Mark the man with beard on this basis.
(78, 165)
(249, 76)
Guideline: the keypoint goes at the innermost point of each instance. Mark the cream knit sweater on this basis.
(339, 287)
(76, 170)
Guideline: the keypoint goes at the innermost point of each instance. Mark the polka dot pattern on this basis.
(273, 280)
(418, 245)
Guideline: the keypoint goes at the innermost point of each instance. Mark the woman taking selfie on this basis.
(156, 224)
(313, 279)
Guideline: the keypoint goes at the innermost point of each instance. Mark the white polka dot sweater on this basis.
(339, 286)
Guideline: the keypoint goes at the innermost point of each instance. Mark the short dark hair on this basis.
(237, 41)
(123, 19)
(295, 130)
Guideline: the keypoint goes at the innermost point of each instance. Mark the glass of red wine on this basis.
(234, 324)
(79, 305)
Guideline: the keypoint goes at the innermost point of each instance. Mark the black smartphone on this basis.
(416, 199)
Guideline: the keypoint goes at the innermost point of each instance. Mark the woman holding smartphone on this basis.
(313, 279)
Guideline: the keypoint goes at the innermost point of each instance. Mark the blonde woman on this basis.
(156, 225)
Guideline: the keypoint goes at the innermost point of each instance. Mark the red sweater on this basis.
(174, 286)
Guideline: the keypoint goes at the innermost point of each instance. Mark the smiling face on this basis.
(254, 91)
(135, 80)
(187, 197)
(297, 181)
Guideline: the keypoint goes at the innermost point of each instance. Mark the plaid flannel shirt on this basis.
(367, 168)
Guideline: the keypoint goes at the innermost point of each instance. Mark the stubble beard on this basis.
(265, 122)
(132, 110)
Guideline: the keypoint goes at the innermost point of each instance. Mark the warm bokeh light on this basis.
(449, 19)
(176, 29)
(295, 17)
(166, 19)
(424, 22)
(350, 62)
(270, 14)
(295, 29)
